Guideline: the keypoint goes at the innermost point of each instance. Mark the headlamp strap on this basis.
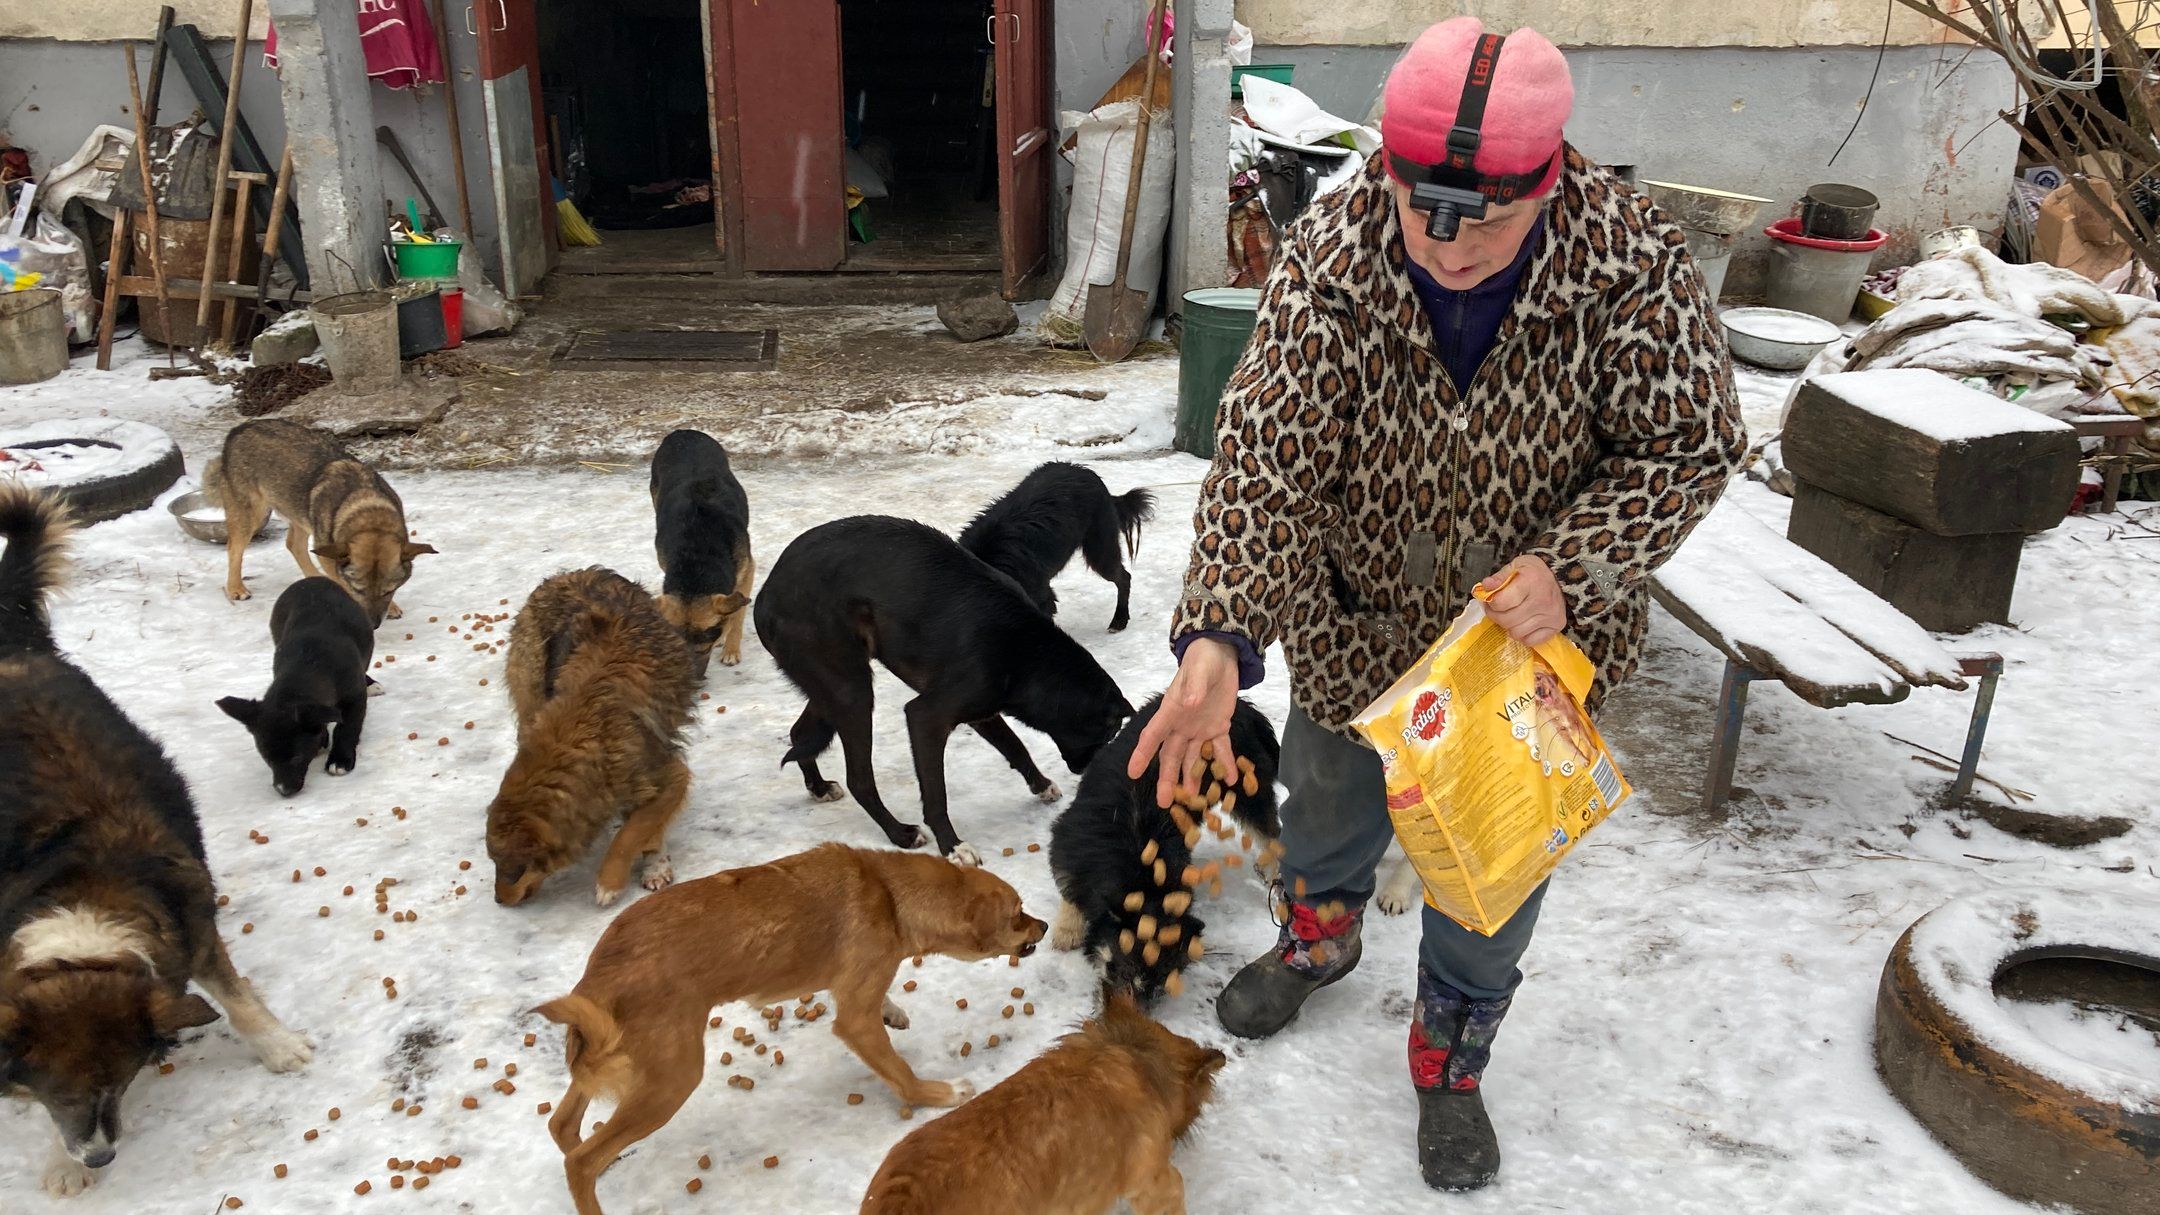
(1460, 166)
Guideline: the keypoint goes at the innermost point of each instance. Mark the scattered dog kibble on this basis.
(322, 912)
(222, 900)
(918, 959)
(908, 986)
(334, 1113)
(246, 929)
(772, 1162)
(1008, 852)
(408, 636)
(454, 1161)
(483, 683)
(694, 1185)
(468, 725)
(397, 1181)
(704, 1162)
(1027, 1010)
(363, 1187)
(509, 1069)
(906, 1112)
(1013, 960)
(726, 1058)
(545, 1106)
(761, 1048)
(397, 1106)
(296, 876)
(378, 934)
(348, 892)
(442, 742)
(278, 1171)
(966, 1049)
(1034, 847)
(419, 1183)
(1007, 1014)
(461, 890)
(712, 1024)
(960, 1004)
(480, 1064)
(854, 1098)
(409, 737)
(164, 1069)
(471, 1103)
(1019, 992)
(532, 1039)
(778, 1058)
(311, 1134)
(412, 1111)
(992, 1043)
(504, 1087)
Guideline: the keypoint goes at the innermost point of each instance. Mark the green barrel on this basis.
(1218, 322)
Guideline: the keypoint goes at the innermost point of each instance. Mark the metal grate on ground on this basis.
(672, 350)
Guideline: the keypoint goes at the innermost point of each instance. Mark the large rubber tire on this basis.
(2039, 1125)
(148, 465)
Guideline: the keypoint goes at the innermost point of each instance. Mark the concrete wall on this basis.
(1766, 122)
(52, 93)
(1601, 23)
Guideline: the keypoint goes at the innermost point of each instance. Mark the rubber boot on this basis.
(1317, 946)
(1450, 1042)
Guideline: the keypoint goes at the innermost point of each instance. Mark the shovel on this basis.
(1117, 314)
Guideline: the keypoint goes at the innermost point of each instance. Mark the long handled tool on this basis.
(457, 133)
(1117, 314)
(224, 163)
(118, 256)
(150, 212)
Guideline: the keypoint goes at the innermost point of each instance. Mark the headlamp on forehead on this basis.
(1453, 190)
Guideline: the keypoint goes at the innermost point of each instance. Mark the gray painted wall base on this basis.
(1766, 122)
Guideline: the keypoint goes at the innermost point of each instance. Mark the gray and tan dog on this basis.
(350, 514)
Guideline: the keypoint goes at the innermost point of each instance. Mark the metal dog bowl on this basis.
(193, 512)
(1777, 338)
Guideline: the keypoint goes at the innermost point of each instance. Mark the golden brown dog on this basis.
(355, 519)
(1089, 1122)
(602, 689)
(833, 918)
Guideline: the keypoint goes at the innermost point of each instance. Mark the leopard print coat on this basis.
(1355, 496)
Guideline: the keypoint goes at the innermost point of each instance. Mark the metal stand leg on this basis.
(1725, 744)
(1989, 667)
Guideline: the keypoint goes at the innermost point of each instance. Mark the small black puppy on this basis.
(1055, 511)
(1097, 844)
(318, 680)
(702, 534)
(961, 634)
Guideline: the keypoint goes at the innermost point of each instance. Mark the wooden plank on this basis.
(191, 289)
(1920, 447)
(1950, 583)
(1736, 610)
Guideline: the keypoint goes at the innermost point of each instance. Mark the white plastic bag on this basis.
(1102, 172)
(1237, 48)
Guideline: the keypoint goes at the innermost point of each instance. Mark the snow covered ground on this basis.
(1694, 1034)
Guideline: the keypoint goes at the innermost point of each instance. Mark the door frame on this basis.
(725, 128)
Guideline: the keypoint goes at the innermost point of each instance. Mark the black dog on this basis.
(1055, 511)
(702, 533)
(1097, 844)
(961, 634)
(318, 679)
(106, 902)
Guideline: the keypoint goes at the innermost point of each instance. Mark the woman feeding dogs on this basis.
(1486, 359)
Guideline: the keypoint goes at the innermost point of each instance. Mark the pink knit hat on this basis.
(1530, 99)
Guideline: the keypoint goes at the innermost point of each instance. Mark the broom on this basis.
(575, 231)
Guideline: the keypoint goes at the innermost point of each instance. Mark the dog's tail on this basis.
(1134, 509)
(35, 526)
(213, 482)
(592, 1045)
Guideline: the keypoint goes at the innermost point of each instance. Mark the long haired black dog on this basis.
(1055, 511)
(1110, 845)
(962, 635)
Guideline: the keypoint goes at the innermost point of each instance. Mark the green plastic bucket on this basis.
(436, 260)
(1280, 73)
(1218, 322)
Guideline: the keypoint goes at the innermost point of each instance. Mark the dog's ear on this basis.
(241, 709)
(734, 602)
(315, 717)
(413, 550)
(333, 551)
(170, 1014)
(986, 915)
(1205, 1064)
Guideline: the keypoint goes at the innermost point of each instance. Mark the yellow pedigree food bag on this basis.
(1493, 769)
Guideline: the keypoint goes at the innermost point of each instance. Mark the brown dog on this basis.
(833, 918)
(1089, 1122)
(355, 519)
(602, 689)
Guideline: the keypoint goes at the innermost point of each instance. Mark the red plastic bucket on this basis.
(1816, 275)
(453, 317)
(1788, 230)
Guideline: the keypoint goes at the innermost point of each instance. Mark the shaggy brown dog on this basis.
(1091, 1121)
(106, 905)
(602, 688)
(833, 918)
(354, 517)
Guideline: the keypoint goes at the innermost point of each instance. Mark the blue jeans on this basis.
(1335, 834)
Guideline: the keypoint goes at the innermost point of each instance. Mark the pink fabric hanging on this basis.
(397, 40)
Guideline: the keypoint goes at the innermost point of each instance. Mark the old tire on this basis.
(127, 465)
(2035, 1122)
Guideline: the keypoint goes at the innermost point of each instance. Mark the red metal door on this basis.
(1026, 137)
(509, 43)
(787, 128)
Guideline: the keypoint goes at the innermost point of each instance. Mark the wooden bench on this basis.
(1779, 612)
(2116, 435)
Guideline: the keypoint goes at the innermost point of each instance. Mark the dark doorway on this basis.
(623, 85)
(921, 131)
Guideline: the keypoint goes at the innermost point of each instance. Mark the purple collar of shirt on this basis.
(1466, 323)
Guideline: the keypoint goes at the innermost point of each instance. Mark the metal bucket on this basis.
(1837, 212)
(1218, 322)
(359, 335)
(33, 336)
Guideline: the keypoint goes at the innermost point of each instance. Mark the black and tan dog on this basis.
(107, 908)
(353, 518)
(318, 685)
(602, 687)
(1125, 866)
(962, 635)
(1057, 510)
(832, 919)
(702, 533)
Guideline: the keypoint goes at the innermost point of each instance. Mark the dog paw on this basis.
(1400, 890)
(1392, 901)
(395, 612)
(1049, 794)
(657, 873)
(66, 1176)
(373, 688)
(964, 853)
(236, 596)
(910, 837)
(1070, 931)
(894, 1015)
(338, 767)
(282, 1049)
(832, 792)
(606, 896)
(946, 1093)
(729, 660)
